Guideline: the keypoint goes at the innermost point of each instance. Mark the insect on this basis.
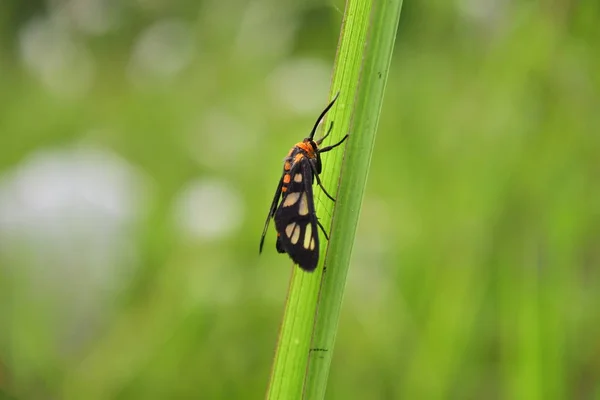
(293, 208)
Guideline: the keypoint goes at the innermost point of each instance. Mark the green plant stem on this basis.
(305, 346)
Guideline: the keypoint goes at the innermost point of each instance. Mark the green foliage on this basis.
(474, 271)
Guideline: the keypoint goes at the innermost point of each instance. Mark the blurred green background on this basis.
(140, 146)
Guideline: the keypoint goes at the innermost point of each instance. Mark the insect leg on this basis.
(322, 229)
(318, 142)
(328, 148)
(316, 175)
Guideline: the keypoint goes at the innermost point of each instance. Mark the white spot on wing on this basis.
(291, 199)
(303, 210)
(307, 236)
(312, 243)
(298, 178)
(296, 235)
(289, 229)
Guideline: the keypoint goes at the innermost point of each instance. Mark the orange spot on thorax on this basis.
(307, 147)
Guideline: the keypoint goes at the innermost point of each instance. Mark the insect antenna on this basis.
(314, 129)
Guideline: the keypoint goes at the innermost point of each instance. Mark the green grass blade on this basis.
(314, 300)
(376, 55)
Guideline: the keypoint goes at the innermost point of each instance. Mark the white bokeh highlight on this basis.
(54, 56)
(161, 51)
(208, 209)
(67, 229)
(94, 17)
(301, 85)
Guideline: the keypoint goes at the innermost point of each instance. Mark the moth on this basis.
(293, 208)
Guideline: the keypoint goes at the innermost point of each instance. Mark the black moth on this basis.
(293, 206)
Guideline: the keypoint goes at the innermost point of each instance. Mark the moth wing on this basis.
(296, 221)
(271, 213)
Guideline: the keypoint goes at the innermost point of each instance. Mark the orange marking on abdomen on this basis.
(287, 166)
(284, 189)
(298, 157)
(286, 178)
